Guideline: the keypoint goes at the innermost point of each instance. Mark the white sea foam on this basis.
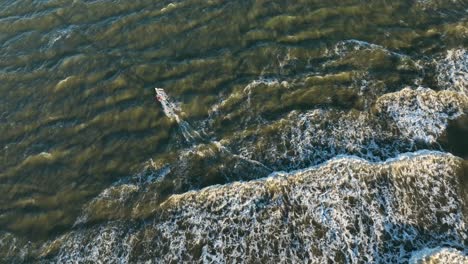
(243, 99)
(343, 47)
(118, 201)
(169, 7)
(434, 4)
(303, 139)
(262, 81)
(403, 121)
(422, 114)
(110, 202)
(108, 244)
(439, 255)
(453, 71)
(346, 210)
(61, 35)
(8, 245)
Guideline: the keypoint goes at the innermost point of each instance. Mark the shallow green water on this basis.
(268, 85)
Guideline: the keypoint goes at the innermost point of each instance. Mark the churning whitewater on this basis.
(346, 210)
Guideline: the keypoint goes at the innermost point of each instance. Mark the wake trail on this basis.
(171, 110)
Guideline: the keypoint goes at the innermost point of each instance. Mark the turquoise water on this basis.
(317, 96)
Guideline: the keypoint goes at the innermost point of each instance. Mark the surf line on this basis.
(171, 109)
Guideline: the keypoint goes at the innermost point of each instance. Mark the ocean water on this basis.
(280, 131)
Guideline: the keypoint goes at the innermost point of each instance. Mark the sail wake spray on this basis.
(171, 109)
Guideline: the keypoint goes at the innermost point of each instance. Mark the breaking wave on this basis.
(346, 210)
(403, 121)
